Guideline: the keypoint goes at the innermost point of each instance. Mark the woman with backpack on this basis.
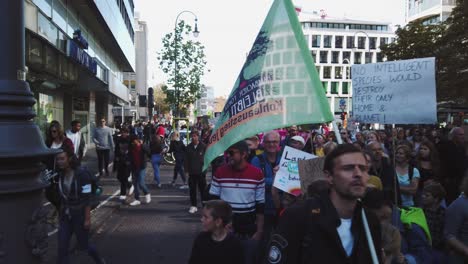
(408, 176)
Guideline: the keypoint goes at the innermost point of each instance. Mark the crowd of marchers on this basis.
(394, 195)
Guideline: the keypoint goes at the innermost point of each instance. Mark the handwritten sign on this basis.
(287, 177)
(395, 92)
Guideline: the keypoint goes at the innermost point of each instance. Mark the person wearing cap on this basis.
(242, 186)
(297, 142)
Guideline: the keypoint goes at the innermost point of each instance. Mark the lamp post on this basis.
(23, 232)
(368, 42)
(195, 34)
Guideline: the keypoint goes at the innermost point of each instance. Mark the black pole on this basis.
(22, 225)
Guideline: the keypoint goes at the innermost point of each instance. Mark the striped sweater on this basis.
(244, 190)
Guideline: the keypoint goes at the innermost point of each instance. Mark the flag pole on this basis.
(337, 132)
(395, 190)
(370, 241)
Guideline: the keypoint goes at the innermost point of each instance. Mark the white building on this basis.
(205, 105)
(336, 44)
(138, 82)
(429, 11)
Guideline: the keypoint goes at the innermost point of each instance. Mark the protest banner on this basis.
(287, 177)
(395, 92)
(278, 85)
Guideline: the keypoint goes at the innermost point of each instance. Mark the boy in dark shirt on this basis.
(215, 244)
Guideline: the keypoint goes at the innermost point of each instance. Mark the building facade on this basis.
(205, 105)
(335, 45)
(137, 82)
(429, 11)
(76, 54)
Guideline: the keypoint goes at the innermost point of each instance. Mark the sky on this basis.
(228, 29)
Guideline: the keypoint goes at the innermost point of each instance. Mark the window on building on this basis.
(335, 57)
(349, 42)
(345, 88)
(357, 57)
(314, 55)
(347, 72)
(334, 87)
(323, 56)
(346, 57)
(361, 42)
(316, 41)
(372, 43)
(327, 41)
(338, 72)
(327, 72)
(325, 87)
(379, 57)
(368, 57)
(383, 41)
(338, 42)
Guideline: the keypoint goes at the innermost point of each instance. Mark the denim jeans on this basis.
(138, 179)
(156, 161)
(69, 226)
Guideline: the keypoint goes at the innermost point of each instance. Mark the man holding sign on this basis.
(330, 228)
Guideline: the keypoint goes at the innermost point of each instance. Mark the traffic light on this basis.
(150, 98)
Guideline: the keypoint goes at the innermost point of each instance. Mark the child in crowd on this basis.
(215, 244)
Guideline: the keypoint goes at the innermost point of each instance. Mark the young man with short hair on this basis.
(77, 138)
(242, 186)
(194, 155)
(215, 244)
(328, 228)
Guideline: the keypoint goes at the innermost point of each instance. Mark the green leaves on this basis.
(183, 60)
(448, 42)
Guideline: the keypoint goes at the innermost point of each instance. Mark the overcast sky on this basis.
(228, 28)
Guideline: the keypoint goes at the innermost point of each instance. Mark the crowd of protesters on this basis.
(393, 195)
(400, 188)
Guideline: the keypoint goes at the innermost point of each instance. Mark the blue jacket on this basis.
(261, 162)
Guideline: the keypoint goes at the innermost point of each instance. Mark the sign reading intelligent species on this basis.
(395, 92)
(287, 177)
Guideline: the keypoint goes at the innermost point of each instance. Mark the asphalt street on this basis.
(159, 232)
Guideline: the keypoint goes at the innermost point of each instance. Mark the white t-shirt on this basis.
(75, 138)
(346, 237)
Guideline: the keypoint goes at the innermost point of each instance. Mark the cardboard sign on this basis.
(287, 177)
(395, 92)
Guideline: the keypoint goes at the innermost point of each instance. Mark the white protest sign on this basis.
(287, 177)
(395, 92)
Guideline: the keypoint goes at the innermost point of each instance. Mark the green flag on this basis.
(278, 85)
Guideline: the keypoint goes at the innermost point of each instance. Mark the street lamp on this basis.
(195, 34)
(368, 42)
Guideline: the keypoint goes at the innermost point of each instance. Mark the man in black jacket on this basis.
(194, 155)
(328, 228)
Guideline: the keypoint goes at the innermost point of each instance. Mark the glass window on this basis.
(338, 42)
(345, 88)
(346, 72)
(59, 15)
(335, 57)
(368, 57)
(62, 42)
(379, 57)
(45, 6)
(323, 56)
(372, 43)
(334, 88)
(357, 57)
(338, 72)
(318, 70)
(327, 72)
(47, 29)
(346, 57)
(383, 41)
(314, 55)
(361, 42)
(327, 41)
(325, 87)
(35, 51)
(316, 41)
(51, 60)
(72, 25)
(349, 42)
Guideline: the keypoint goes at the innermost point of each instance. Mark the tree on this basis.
(160, 102)
(447, 42)
(188, 58)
